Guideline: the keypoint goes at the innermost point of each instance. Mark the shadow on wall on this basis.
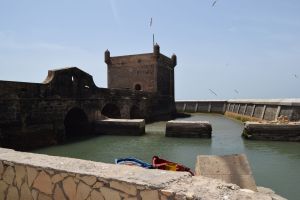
(111, 110)
(76, 123)
(135, 113)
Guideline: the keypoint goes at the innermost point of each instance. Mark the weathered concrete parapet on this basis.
(229, 168)
(190, 129)
(120, 127)
(245, 109)
(35, 176)
(272, 131)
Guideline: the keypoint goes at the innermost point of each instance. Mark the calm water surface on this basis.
(274, 164)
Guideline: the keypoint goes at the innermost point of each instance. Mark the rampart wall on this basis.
(34, 115)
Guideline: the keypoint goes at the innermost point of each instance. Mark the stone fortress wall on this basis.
(246, 109)
(41, 177)
(68, 102)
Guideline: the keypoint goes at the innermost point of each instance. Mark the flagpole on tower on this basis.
(153, 41)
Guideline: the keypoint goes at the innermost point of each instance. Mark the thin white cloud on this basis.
(10, 41)
(115, 11)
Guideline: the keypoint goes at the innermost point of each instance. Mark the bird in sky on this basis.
(296, 76)
(151, 22)
(214, 3)
(213, 92)
(236, 91)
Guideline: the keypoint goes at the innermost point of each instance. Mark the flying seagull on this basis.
(213, 92)
(296, 76)
(214, 3)
(236, 91)
(151, 22)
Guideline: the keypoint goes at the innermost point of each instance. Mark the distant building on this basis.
(150, 72)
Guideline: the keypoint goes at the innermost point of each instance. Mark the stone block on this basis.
(95, 195)
(230, 168)
(56, 178)
(149, 194)
(34, 194)
(20, 174)
(189, 129)
(12, 193)
(58, 193)
(131, 198)
(31, 175)
(1, 169)
(3, 188)
(25, 192)
(69, 186)
(129, 189)
(120, 127)
(98, 185)
(9, 175)
(110, 193)
(44, 197)
(43, 183)
(90, 180)
(83, 191)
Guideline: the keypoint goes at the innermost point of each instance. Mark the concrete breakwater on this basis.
(34, 176)
(245, 109)
(190, 129)
(272, 131)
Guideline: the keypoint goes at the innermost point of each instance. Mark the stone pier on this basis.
(189, 129)
(229, 168)
(120, 127)
(272, 131)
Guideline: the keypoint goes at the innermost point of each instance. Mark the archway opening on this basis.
(135, 113)
(76, 123)
(111, 110)
(138, 87)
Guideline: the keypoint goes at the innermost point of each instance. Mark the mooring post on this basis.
(209, 107)
(263, 112)
(245, 109)
(238, 110)
(277, 112)
(253, 109)
(228, 107)
(196, 107)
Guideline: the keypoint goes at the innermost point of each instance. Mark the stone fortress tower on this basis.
(150, 72)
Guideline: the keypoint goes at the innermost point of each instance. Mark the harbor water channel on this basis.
(275, 165)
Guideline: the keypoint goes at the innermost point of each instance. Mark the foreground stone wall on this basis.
(41, 177)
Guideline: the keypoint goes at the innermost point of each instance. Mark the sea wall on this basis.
(202, 106)
(246, 109)
(41, 177)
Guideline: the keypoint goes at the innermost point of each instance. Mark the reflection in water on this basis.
(274, 164)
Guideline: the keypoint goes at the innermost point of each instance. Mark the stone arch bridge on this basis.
(67, 103)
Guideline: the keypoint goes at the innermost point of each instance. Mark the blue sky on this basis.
(238, 48)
